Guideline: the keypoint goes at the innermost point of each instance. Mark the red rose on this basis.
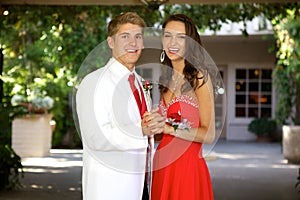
(147, 85)
(175, 116)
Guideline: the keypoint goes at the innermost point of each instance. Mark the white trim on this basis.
(224, 70)
(232, 75)
(236, 128)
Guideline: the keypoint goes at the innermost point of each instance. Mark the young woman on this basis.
(187, 102)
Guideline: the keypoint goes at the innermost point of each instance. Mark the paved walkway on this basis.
(239, 171)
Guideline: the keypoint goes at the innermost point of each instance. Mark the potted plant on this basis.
(37, 104)
(31, 131)
(287, 82)
(263, 128)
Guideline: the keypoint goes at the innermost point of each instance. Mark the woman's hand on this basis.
(169, 129)
(153, 123)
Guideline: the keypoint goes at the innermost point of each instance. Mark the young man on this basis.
(116, 126)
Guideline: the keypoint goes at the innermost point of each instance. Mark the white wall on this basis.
(233, 52)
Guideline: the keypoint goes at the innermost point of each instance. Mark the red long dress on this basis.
(180, 171)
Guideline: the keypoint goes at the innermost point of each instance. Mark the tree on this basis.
(287, 71)
(44, 46)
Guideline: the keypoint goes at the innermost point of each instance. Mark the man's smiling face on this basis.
(127, 44)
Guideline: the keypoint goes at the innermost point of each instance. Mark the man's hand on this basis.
(153, 123)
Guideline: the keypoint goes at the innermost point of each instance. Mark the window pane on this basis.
(240, 86)
(147, 73)
(240, 99)
(253, 87)
(266, 99)
(240, 112)
(254, 73)
(253, 99)
(253, 112)
(219, 100)
(253, 96)
(266, 87)
(240, 74)
(266, 73)
(218, 112)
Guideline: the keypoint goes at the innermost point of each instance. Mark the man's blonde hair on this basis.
(128, 17)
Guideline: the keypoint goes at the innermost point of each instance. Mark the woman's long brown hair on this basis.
(194, 58)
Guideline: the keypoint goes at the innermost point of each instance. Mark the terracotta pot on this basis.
(263, 139)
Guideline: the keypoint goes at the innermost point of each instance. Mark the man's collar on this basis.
(118, 68)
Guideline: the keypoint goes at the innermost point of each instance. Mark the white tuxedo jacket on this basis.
(114, 148)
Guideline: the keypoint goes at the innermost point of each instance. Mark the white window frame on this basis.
(231, 90)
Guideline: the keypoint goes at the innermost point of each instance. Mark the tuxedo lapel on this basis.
(119, 75)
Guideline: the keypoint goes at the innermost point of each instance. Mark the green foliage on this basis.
(287, 72)
(10, 164)
(298, 181)
(211, 16)
(44, 47)
(262, 126)
(49, 44)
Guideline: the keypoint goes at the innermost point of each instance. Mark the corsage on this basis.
(147, 85)
(178, 122)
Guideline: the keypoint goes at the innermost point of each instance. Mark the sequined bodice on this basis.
(183, 105)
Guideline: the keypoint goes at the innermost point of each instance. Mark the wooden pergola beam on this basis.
(131, 2)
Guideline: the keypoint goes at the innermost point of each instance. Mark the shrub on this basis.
(262, 126)
(10, 164)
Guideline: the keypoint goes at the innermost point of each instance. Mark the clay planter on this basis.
(32, 135)
(263, 139)
(291, 143)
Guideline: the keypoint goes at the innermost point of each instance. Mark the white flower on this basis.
(17, 99)
(184, 124)
(43, 102)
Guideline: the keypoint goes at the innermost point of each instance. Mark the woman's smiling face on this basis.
(174, 38)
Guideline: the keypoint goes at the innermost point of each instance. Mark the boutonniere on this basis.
(178, 122)
(147, 85)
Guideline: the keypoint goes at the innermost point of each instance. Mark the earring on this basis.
(162, 56)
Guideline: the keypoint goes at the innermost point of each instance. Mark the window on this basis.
(253, 93)
(146, 73)
(220, 108)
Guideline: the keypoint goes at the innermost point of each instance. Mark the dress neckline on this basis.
(180, 98)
